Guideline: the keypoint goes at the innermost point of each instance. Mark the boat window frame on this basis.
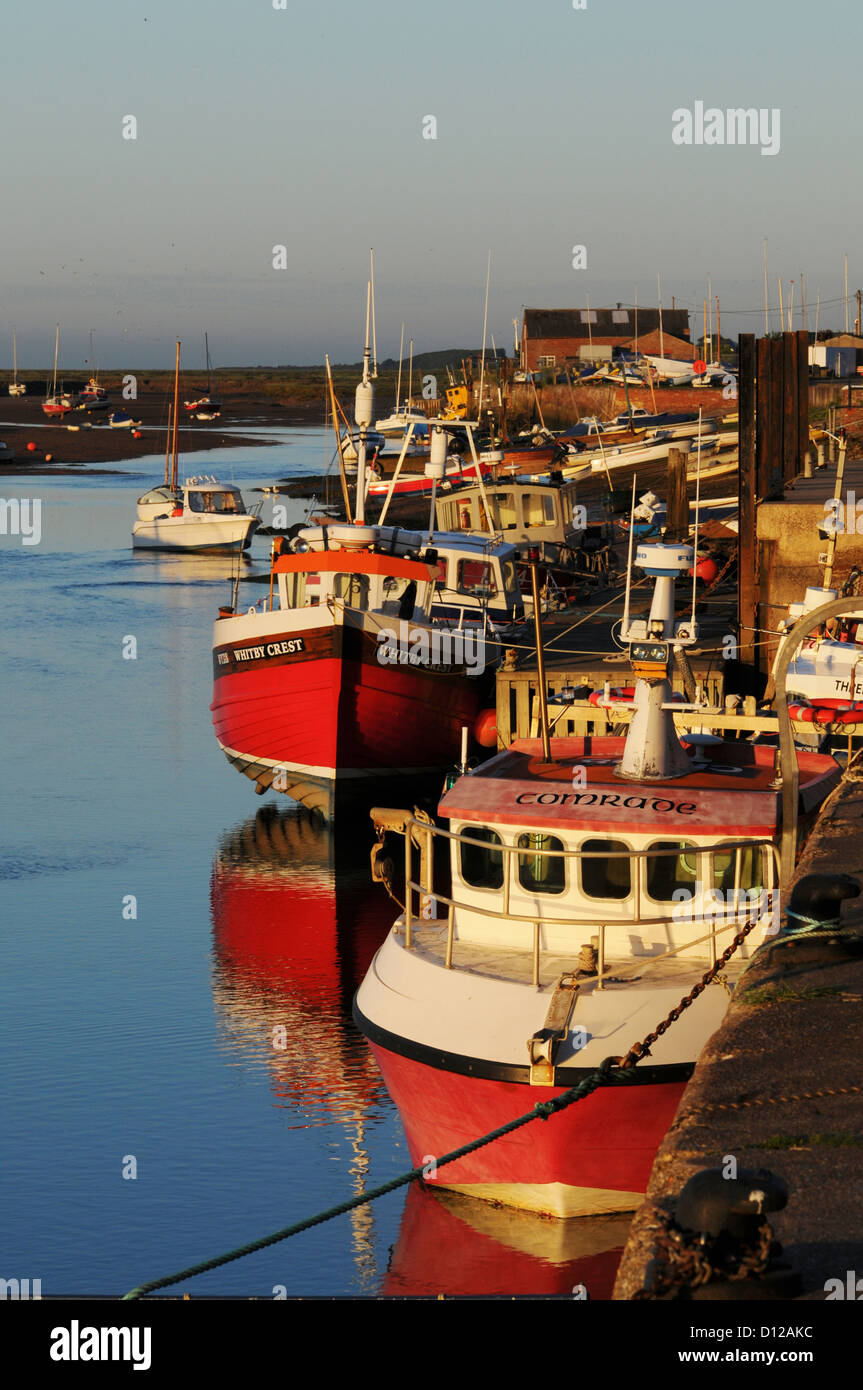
(586, 854)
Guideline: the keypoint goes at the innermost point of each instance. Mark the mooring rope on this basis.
(541, 1111)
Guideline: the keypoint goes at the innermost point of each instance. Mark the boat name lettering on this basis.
(633, 803)
(296, 644)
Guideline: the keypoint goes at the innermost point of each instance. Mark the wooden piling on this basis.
(677, 502)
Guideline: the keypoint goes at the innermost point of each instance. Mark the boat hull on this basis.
(205, 535)
(592, 1158)
(316, 711)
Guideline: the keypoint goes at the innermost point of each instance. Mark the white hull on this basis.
(193, 532)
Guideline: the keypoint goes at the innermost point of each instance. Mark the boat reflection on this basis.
(295, 926)
(461, 1246)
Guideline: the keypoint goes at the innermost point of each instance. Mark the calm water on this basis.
(205, 1040)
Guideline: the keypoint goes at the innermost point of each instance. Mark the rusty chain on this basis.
(642, 1049)
(686, 1258)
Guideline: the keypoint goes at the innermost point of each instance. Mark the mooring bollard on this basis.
(718, 1244)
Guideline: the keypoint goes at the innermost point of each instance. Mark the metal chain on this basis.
(642, 1049)
(692, 1260)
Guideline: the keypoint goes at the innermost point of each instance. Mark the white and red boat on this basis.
(593, 881)
(344, 676)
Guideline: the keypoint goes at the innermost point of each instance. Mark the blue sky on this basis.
(303, 127)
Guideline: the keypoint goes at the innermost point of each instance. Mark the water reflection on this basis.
(296, 922)
(458, 1245)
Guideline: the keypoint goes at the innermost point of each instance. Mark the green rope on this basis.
(543, 1110)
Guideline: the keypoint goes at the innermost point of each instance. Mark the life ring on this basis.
(827, 712)
(616, 694)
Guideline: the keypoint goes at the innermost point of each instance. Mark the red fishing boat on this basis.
(594, 881)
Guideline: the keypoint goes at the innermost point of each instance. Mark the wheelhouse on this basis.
(534, 513)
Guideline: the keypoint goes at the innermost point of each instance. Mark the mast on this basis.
(168, 448)
(14, 358)
(342, 473)
(484, 327)
(411, 374)
(174, 439)
(399, 384)
(56, 351)
(659, 297)
(364, 408)
(374, 333)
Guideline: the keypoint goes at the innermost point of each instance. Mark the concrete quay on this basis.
(780, 1084)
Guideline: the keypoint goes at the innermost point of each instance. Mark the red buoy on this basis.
(31, 448)
(136, 434)
(485, 728)
(707, 569)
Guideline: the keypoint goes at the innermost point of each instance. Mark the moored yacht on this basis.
(595, 882)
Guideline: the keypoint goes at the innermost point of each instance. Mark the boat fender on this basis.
(485, 728)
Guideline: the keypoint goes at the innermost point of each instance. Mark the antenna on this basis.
(484, 326)
(697, 504)
(372, 292)
(625, 624)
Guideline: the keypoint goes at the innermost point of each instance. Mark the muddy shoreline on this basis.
(92, 443)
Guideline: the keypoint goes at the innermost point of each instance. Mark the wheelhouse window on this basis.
(399, 597)
(510, 576)
(481, 865)
(605, 877)
(538, 508)
(352, 589)
(672, 866)
(725, 872)
(504, 511)
(476, 577)
(539, 870)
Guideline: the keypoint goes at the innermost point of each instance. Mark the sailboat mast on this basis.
(14, 358)
(484, 328)
(174, 440)
(399, 384)
(168, 448)
(56, 351)
(207, 355)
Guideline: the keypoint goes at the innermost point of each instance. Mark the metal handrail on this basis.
(721, 917)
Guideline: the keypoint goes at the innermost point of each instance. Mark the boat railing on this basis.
(717, 911)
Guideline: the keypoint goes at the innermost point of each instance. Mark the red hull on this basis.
(603, 1144)
(335, 709)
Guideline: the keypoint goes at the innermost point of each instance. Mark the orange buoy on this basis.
(706, 569)
(48, 458)
(485, 728)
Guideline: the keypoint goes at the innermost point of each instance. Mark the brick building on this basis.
(550, 337)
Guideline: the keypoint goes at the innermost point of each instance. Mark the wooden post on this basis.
(746, 562)
(803, 400)
(775, 419)
(790, 450)
(677, 502)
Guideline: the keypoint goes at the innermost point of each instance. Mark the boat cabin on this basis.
(543, 514)
(203, 496)
(360, 580)
(549, 858)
